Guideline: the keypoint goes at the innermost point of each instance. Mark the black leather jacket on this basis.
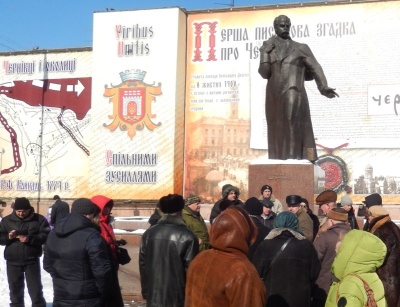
(166, 251)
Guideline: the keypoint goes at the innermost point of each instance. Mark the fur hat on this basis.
(325, 197)
(376, 211)
(192, 199)
(84, 206)
(293, 200)
(253, 206)
(228, 189)
(266, 187)
(22, 203)
(224, 187)
(171, 203)
(267, 203)
(373, 200)
(337, 214)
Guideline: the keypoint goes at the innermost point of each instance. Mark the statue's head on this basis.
(282, 26)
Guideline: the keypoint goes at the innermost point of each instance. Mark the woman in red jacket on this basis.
(106, 204)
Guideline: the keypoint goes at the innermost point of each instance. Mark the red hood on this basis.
(101, 201)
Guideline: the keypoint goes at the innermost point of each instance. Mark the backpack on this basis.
(370, 294)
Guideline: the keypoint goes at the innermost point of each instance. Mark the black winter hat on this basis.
(373, 200)
(266, 187)
(293, 200)
(84, 206)
(171, 203)
(21, 203)
(253, 206)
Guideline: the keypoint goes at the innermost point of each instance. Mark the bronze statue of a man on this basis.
(287, 64)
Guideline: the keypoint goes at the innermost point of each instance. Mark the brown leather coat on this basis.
(223, 276)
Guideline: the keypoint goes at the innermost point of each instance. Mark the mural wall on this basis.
(170, 101)
(45, 102)
(138, 103)
(356, 133)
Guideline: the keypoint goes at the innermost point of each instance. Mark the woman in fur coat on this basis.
(384, 228)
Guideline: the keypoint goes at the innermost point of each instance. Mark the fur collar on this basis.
(277, 231)
(378, 222)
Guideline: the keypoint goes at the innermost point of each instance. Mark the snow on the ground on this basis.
(5, 292)
(46, 278)
(121, 231)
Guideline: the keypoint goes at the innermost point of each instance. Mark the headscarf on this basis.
(107, 231)
(287, 219)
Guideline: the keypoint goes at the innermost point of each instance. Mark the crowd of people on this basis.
(259, 252)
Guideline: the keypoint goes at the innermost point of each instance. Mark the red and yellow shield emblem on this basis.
(132, 101)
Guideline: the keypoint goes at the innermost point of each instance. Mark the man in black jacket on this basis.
(23, 232)
(166, 250)
(58, 210)
(230, 196)
(76, 257)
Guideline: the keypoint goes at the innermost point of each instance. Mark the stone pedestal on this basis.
(286, 177)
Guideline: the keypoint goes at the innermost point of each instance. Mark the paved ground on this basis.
(129, 278)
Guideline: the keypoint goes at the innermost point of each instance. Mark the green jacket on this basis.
(196, 224)
(360, 253)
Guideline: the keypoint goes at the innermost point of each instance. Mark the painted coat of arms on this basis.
(132, 103)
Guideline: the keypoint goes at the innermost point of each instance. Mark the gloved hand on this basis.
(121, 242)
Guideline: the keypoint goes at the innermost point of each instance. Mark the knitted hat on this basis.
(376, 211)
(171, 203)
(84, 206)
(345, 201)
(373, 200)
(253, 206)
(192, 199)
(21, 203)
(337, 214)
(325, 197)
(56, 197)
(293, 200)
(228, 189)
(267, 203)
(266, 187)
